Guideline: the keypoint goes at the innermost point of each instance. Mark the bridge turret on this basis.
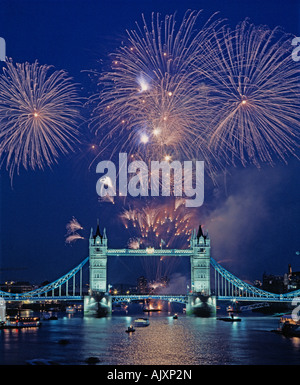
(193, 241)
(104, 239)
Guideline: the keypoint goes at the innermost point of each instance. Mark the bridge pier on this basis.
(97, 305)
(201, 305)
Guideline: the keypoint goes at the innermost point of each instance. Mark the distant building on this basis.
(273, 283)
(16, 287)
(281, 284)
(122, 288)
(142, 285)
(293, 279)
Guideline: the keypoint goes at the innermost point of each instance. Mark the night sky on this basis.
(252, 215)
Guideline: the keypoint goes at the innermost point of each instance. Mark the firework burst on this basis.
(161, 224)
(254, 85)
(39, 110)
(153, 101)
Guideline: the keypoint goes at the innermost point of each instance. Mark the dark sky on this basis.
(252, 216)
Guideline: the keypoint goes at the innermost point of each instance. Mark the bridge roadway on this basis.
(149, 251)
(178, 298)
(184, 298)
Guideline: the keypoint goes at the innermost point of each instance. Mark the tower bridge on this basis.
(200, 300)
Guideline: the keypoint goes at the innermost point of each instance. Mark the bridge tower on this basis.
(98, 261)
(200, 301)
(98, 302)
(200, 262)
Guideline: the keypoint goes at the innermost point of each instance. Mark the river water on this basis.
(167, 341)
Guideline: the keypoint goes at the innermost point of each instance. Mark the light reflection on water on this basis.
(187, 340)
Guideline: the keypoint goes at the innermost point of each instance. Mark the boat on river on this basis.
(20, 322)
(141, 322)
(288, 326)
(229, 319)
(70, 309)
(130, 329)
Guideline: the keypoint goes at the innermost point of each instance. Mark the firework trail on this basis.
(73, 237)
(72, 227)
(254, 86)
(153, 101)
(160, 225)
(134, 243)
(39, 110)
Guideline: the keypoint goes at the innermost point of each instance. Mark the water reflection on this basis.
(167, 341)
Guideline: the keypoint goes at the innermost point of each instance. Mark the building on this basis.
(293, 279)
(142, 285)
(273, 283)
(281, 284)
(16, 287)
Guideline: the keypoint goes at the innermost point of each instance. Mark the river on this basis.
(166, 341)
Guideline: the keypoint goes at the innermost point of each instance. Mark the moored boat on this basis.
(20, 322)
(289, 326)
(147, 309)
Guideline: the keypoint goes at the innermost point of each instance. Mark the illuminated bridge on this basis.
(208, 278)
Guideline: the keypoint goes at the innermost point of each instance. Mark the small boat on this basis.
(141, 322)
(175, 316)
(130, 329)
(70, 309)
(92, 360)
(147, 309)
(20, 322)
(231, 309)
(288, 326)
(229, 319)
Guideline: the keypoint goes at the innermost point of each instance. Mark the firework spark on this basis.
(153, 101)
(39, 110)
(255, 90)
